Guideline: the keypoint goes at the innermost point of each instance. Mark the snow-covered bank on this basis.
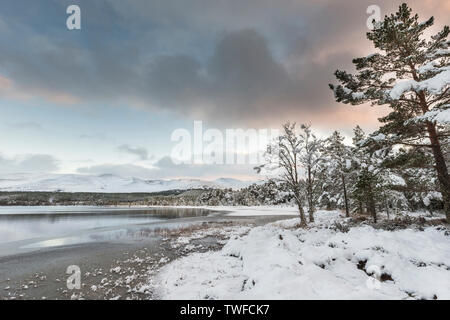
(281, 261)
(261, 211)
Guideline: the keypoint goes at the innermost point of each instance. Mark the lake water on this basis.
(50, 226)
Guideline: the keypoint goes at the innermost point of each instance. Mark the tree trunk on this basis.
(310, 209)
(371, 203)
(360, 207)
(310, 197)
(311, 212)
(302, 214)
(441, 168)
(373, 210)
(387, 209)
(347, 213)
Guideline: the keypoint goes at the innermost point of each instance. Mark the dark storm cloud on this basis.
(221, 60)
(241, 73)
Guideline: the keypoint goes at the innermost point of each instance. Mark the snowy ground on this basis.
(261, 211)
(281, 261)
(244, 254)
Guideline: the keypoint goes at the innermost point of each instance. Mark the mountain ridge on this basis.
(109, 183)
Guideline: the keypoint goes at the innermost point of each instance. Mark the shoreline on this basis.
(270, 210)
(111, 270)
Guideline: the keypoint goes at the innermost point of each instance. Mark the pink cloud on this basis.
(10, 90)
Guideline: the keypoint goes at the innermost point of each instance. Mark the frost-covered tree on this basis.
(267, 193)
(295, 158)
(310, 161)
(283, 159)
(420, 187)
(410, 74)
(365, 190)
(337, 158)
(376, 185)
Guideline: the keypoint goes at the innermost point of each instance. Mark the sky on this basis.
(107, 98)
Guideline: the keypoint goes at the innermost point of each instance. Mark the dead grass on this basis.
(396, 223)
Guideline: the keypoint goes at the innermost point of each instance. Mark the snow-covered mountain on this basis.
(108, 183)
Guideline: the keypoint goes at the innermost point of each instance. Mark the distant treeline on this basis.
(38, 198)
(268, 193)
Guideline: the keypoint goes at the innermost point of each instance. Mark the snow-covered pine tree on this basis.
(356, 197)
(411, 74)
(377, 185)
(367, 189)
(420, 186)
(310, 160)
(337, 156)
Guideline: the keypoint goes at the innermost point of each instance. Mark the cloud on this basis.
(240, 75)
(27, 125)
(9, 89)
(123, 170)
(29, 163)
(141, 152)
(243, 83)
(235, 61)
(164, 168)
(96, 136)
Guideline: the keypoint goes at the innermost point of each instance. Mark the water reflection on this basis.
(28, 223)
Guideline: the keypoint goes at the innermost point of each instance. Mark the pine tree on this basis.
(416, 169)
(310, 159)
(411, 74)
(372, 177)
(338, 166)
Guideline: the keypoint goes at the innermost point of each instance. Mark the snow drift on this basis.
(277, 261)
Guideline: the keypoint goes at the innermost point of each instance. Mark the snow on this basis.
(281, 261)
(379, 137)
(400, 88)
(116, 270)
(430, 66)
(397, 180)
(358, 95)
(442, 52)
(434, 85)
(108, 183)
(430, 196)
(438, 115)
(259, 210)
(443, 116)
(355, 95)
(348, 164)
